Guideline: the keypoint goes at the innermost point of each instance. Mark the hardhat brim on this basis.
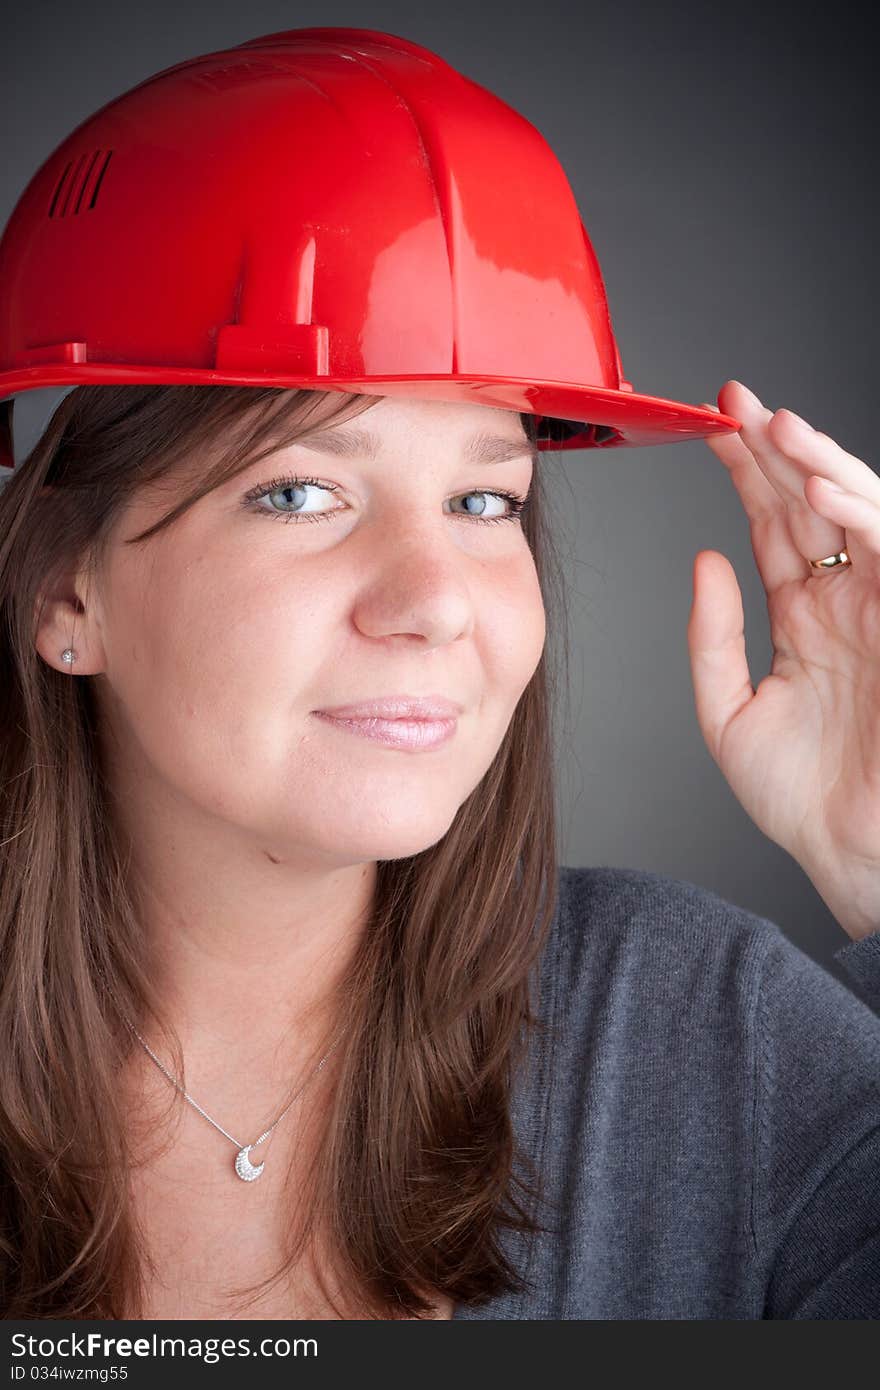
(629, 418)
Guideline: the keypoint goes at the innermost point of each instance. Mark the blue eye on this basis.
(252, 499)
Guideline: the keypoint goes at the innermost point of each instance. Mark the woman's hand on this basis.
(802, 752)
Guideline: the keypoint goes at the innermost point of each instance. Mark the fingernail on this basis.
(831, 487)
(800, 421)
(743, 387)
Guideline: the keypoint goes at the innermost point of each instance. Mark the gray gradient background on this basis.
(723, 162)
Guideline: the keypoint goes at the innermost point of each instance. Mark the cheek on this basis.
(514, 628)
(207, 669)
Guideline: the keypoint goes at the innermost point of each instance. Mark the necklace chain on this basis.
(243, 1167)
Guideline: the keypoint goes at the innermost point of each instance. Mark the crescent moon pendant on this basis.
(243, 1166)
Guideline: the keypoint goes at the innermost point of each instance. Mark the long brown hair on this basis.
(413, 1175)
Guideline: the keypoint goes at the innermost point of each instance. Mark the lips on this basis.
(409, 735)
(409, 707)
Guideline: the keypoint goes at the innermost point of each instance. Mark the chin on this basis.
(387, 841)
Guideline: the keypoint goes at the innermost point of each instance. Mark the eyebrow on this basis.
(481, 448)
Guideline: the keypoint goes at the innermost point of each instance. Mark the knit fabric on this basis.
(703, 1113)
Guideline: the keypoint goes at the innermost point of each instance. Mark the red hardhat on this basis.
(325, 208)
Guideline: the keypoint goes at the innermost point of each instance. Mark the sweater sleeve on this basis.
(816, 1195)
(861, 960)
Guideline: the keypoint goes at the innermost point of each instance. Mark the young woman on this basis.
(300, 1015)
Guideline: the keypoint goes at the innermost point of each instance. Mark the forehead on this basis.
(477, 433)
(476, 446)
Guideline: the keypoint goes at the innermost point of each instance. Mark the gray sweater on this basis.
(705, 1114)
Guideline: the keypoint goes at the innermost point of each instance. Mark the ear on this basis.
(68, 616)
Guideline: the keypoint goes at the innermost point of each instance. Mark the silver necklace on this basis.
(247, 1171)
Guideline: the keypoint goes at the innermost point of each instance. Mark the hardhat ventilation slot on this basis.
(87, 172)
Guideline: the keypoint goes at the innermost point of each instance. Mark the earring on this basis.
(68, 655)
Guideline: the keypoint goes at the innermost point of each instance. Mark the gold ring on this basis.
(832, 561)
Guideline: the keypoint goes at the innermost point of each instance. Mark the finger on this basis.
(859, 517)
(776, 556)
(758, 496)
(816, 450)
(773, 441)
(817, 453)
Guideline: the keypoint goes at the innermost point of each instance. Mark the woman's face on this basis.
(220, 638)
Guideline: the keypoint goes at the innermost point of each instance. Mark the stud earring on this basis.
(68, 655)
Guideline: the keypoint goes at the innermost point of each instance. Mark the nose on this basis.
(417, 586)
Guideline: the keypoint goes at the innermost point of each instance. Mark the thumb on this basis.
(717, 645)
